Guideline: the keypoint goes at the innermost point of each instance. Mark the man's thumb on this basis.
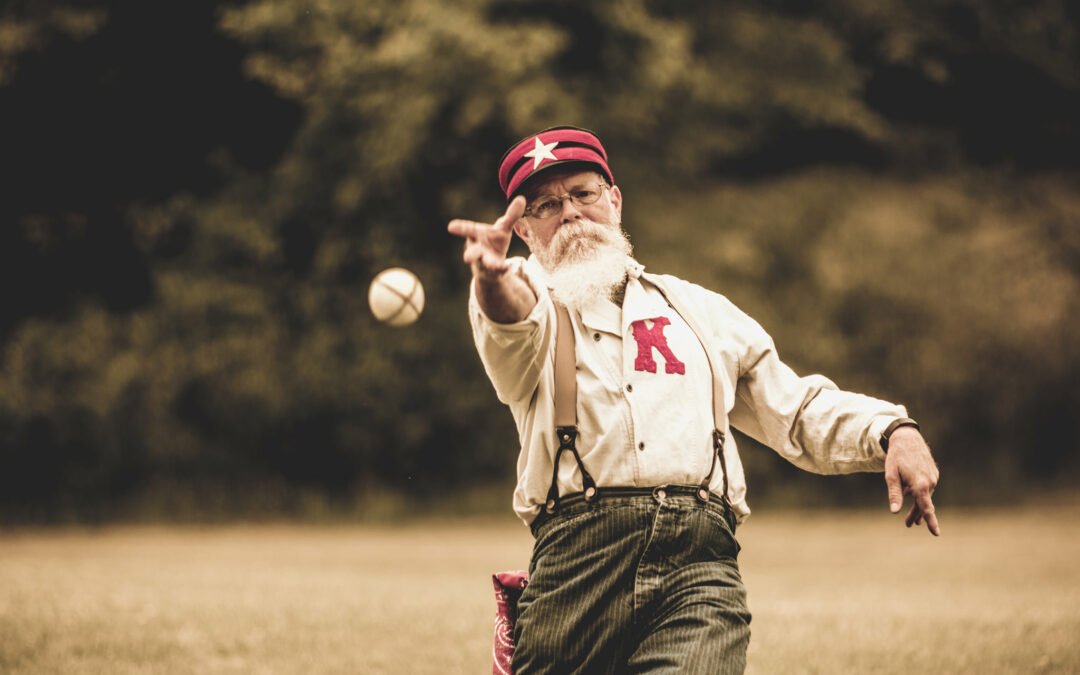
(896, 493)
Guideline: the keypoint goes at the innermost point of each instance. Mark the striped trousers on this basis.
(636, 581)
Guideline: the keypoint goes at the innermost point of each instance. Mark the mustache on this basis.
(577, 231)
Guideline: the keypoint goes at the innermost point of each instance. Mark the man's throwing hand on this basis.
(910, 470)
(486, 245)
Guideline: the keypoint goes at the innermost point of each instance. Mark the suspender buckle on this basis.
(567, 436)
(703, 492)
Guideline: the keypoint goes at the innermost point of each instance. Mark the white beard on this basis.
(585, 261)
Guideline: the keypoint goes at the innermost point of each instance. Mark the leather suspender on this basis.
(719, 410)
(566, 408)
(565, 370)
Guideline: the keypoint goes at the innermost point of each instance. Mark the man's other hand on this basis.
(910, 470)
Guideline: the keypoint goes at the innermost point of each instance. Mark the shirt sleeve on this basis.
(514, 354)
(808, 420)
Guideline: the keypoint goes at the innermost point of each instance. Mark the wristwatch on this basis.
(893, 426)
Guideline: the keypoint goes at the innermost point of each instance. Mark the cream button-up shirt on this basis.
(645, 393)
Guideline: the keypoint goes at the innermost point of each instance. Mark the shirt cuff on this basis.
(877, 426)
(503, 333)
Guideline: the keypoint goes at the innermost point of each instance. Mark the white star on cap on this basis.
(541, 152)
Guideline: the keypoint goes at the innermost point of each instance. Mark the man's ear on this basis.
(522, 230)
(616, 200)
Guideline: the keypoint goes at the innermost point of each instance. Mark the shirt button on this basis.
(629, 387)
(596, 336)
(641, 445)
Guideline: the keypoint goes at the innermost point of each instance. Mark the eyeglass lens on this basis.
(549, 205)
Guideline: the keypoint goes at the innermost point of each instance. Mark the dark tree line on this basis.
(197, 194)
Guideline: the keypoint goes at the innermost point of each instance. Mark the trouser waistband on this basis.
(577, 502)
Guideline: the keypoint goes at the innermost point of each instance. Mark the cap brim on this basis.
(540, 175)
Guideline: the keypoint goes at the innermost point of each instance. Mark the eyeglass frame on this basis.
(566, 195)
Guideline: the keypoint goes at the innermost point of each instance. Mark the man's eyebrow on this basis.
(532, 196)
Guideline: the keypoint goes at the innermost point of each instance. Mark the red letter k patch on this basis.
(649, 338)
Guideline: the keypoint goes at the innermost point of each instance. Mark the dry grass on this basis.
(840, 593)
(835, 593)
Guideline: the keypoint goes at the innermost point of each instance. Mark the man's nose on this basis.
(570, 211)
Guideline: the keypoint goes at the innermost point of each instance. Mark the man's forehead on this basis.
(559, 180)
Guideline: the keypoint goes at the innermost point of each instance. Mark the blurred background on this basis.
(196, 195)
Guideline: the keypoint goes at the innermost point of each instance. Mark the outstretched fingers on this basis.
(922, 509)
(466, 229)
(926, 511)
(486, 245)
(470, 229)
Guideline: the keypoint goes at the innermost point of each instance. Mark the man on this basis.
(634, 568)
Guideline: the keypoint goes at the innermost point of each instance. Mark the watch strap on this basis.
(893, 426)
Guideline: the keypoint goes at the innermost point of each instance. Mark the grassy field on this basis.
(831, 592)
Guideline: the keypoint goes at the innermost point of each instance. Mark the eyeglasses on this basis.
(548, 205)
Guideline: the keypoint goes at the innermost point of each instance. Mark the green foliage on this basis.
(934, 260)
(955, 294)
(39, 26)
(395, 93)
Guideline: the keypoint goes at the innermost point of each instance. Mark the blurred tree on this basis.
(200, 193)
(105, 109)
(949, 292)
(996, 80)
(408, 106)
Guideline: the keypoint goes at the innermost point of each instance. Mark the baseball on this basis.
(396, 297)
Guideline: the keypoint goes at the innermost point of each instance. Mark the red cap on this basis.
(551, 147)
